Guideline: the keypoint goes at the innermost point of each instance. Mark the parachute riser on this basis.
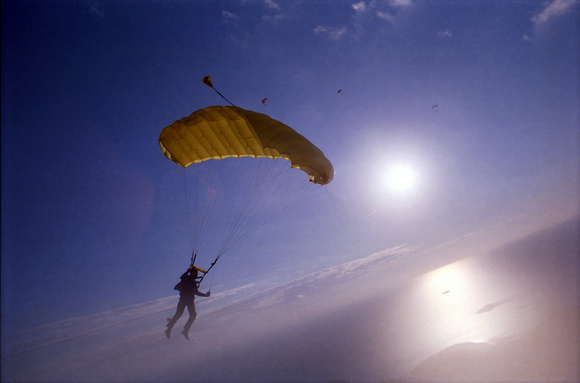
(207, 81)
(207, 271)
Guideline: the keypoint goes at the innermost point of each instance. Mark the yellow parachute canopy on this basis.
(219, 132)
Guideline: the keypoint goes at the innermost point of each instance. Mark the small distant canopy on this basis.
(207, 80)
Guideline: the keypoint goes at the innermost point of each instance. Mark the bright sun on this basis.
(401, 178)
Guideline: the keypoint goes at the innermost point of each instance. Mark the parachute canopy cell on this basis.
(219, 132)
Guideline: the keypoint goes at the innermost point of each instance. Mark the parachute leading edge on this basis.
(219, 132)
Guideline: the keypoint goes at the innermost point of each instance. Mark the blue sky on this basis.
(88, 223)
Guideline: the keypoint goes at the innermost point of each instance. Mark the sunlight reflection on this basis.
(443, 305)
(464, 302)
(446, 280)
(452, 301)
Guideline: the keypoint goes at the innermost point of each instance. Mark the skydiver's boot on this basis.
(168, 333)
(185, 334)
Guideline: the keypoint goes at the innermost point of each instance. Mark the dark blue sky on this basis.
(88, 223)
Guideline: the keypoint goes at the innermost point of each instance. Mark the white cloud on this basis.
(400, 3)
(271, 4)
(320, 29)
(227, 16)
(360, 6)
(554, 9)
(330, 32)
(444, 34)
(365, 264)
(386, 16)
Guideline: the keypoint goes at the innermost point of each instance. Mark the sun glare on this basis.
(401, 178)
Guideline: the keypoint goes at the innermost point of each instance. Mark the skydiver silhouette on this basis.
(187, 292)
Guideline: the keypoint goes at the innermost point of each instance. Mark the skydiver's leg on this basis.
(192, 316)
(178, 313)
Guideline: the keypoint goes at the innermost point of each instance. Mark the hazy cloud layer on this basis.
(547, 353)
(362, 320)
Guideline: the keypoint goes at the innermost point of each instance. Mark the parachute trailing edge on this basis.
(220, 132)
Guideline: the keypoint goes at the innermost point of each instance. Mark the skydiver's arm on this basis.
(197, 292)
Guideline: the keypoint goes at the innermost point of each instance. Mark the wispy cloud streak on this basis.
(330, 32)
(553, 10)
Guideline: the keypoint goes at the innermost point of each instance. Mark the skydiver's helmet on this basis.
(194, 270)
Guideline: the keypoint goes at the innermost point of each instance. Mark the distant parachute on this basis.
(207, 80)
(435, 106)
(264, 101)
(339, 91)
